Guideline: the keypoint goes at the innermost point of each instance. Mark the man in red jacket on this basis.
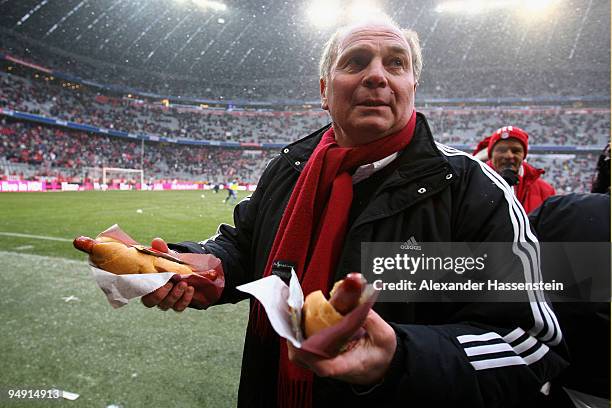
(507, 149)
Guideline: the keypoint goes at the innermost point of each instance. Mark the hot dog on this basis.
(118, 258)
(319, 313)
(346, 293)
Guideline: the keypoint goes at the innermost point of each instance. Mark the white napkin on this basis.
(276, 297)
(119, 289)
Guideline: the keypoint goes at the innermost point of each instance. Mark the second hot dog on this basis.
(319, 313)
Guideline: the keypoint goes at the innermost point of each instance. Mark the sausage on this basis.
(346, 294)
(120, 259)
(84, 244)
(210, 274)
(318, 313)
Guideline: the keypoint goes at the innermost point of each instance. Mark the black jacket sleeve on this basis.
(586, 325)
(484, 354)
(233, 243)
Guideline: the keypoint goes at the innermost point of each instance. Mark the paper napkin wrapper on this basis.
(119, 289)
(277, 298)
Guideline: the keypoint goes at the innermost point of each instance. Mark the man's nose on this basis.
(375, 75)
(508, 154)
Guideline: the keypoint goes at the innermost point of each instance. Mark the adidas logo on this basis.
(411, 244)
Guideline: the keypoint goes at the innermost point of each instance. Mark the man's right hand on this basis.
(175, 296)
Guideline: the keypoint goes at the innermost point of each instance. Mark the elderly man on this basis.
(507, 149)
(376, 174)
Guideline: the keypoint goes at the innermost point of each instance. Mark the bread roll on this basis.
(120, 259)
(319, 313)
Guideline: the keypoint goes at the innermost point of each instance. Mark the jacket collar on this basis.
(530, 172)
(526, 171)
(298, 152)
(421, 154)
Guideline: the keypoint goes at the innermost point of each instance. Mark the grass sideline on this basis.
(131, 356)
(172, 215)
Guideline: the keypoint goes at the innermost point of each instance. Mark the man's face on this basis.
(370, 89)
(507, 153)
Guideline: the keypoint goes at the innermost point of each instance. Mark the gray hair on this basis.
(330, 52)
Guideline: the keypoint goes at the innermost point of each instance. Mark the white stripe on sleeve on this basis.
(468, 338)
(487, 349)
(528, 256)
(497, 362)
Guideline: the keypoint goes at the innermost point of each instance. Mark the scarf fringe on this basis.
(259, 324)
(294, 394)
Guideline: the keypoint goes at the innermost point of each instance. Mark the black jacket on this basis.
(432, 193)
(586, 325)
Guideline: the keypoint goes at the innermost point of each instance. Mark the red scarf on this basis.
(312, 232)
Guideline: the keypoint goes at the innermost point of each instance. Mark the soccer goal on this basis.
(118, 171)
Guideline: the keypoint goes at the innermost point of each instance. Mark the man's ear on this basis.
(323, 90)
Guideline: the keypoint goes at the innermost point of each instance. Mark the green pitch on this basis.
(58, 331)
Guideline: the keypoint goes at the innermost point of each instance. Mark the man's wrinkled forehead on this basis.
(373, 34)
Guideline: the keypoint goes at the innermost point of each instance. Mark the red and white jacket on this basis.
(531, 191)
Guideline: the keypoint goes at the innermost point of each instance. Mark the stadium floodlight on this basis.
(536, 5)
(363, 9)
(209, 4)
(480, 6)
(324, 13)
(470, 6)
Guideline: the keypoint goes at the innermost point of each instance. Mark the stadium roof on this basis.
(263, 42)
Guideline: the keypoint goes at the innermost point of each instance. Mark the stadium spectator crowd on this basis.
(546, 126)
(54, 152)
(499, 81)
(42, 151)
(559, 127)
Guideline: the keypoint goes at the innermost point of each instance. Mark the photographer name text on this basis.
(469, 285)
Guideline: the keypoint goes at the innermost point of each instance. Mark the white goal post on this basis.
(106, 170)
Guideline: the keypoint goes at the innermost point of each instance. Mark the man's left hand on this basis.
(365, 362)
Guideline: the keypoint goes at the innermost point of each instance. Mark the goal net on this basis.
(121, 175)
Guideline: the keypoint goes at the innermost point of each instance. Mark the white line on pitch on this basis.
(15, 256)
(15, 234)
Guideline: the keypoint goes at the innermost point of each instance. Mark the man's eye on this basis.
(397, 63)
(354, 62)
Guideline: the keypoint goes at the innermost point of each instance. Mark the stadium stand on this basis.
(546, 126)
(550, 59)
(182, 118)
(38, 151)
